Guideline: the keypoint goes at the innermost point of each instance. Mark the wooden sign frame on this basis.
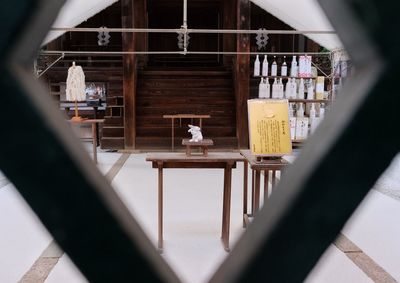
(269, 130)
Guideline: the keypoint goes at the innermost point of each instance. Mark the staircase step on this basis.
(165, 143)
(114, 131)
(184, 83)
(151, 101)
(183, 131)
(206, 93)
(112, 142)
(154, 121)
(113, 121)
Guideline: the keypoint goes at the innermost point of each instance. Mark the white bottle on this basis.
(275, 89)
(281, 89)
(292, 125)
(310, 90)
(301, 89)
(295, 86)
(284, 67)
(267, 89)
(314, 120)
(265, 67)
(260, 88)
(302, 128)
(264, 89)
(312, 112)
(288, 92)
(274, 68)
(257, 67)
(322, 112)
(293, 69)
(291, 110)
(300, 111)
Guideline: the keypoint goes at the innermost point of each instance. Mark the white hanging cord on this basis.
(226, 31)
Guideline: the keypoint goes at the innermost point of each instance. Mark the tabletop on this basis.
(182, 157)
(261, 164)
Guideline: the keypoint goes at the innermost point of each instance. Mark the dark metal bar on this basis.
(53, 172)
(339, 163)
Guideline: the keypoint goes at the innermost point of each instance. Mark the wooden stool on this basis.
(203, 145)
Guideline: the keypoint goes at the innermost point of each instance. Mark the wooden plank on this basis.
(129, 75)
(242, 73)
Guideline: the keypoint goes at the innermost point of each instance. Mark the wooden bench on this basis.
(203, 145)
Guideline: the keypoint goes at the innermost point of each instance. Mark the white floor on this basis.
(193, 205)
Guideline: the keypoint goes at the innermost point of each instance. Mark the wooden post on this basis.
(129, 75)
(140, 21)
(228, 40)
(242, 73)
(160, 207)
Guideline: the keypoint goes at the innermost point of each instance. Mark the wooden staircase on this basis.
(185, 91)
(113, 128)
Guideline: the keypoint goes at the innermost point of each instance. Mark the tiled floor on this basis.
(193, 202)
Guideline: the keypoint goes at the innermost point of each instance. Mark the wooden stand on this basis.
(259, 164)
(203, 145)
(76, 118)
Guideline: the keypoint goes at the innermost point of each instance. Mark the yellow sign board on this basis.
(269, 130)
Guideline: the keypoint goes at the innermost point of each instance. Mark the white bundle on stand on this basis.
(76, 87)
(75, 90)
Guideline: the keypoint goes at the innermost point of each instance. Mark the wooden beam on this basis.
(129, 77)
(242, 73)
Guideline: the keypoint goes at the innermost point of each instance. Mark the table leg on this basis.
(160, 207)
(94, 137)
(266, 179)
(172, 127)
(257, 192)
(252, 192)
(245, 190)
(226, 210)
(200, 123)
(273, 179)
(223, 230)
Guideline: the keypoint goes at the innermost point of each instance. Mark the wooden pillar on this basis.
(140, 20)
(242, 73)
(129, 75)
(229, 40)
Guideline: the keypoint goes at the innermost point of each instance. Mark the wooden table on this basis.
(257, 166)
(225, 161)
(94, 123)
(183, 116)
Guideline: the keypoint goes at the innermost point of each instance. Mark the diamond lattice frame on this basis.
(319, 192)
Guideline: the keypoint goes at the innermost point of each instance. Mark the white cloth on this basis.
(76, 84)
